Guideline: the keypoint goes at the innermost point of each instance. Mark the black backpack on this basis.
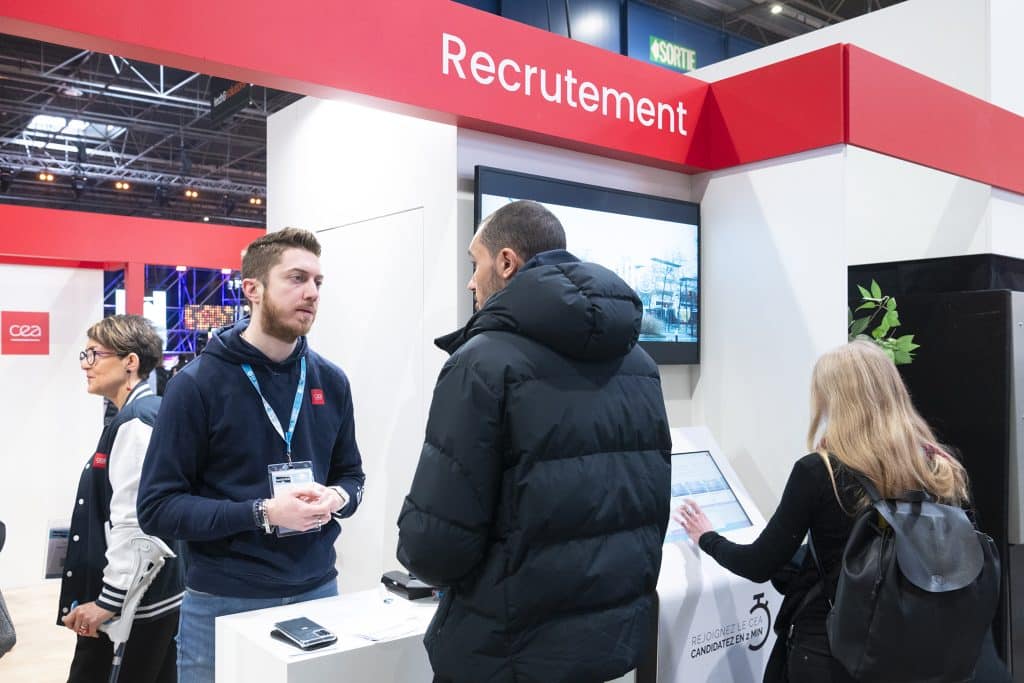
(917, 592)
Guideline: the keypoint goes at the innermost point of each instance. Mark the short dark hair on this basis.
(124, 334)
(265, 253)
(525, 227)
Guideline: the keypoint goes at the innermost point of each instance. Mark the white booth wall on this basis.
(774, 280)
(51, 425)
(778, 237)
(380, 190)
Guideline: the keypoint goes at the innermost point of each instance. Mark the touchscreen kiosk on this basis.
(712, 624)
(697, 477)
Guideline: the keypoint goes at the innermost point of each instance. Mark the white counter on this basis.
(380, 640)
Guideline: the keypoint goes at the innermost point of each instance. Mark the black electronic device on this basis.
(406, 585)
(303, 633)
(652, 243)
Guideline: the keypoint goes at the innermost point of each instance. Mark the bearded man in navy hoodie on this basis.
(254, 454)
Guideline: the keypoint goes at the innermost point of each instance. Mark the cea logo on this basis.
(759, 635)
(24, 333)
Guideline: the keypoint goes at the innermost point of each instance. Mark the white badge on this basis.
(286, 476)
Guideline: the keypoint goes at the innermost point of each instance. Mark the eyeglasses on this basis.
(90, 356)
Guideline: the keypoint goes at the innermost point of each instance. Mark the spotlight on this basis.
(46, 177)
(122, 185)
(225, 271)
(206, 219)
(160, 195)
(181, 269)
(776, 8)
(6, 178)
(78, 184)
(191, 194)
(256, 201)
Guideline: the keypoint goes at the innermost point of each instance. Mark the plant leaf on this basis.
(858, 326)
(891, 304)
(864, 293)
(867, 305)
(905, 342)
(902, 358)
(876, 291)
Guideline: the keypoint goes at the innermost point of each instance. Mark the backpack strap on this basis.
(829, 597)
(867, 485)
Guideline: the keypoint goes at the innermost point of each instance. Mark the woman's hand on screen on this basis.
(693, 520)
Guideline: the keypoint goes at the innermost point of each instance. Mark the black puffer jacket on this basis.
(542, 492)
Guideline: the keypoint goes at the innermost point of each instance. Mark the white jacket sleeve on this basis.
(124, 470)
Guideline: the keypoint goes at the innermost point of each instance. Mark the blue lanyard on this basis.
(296, 405)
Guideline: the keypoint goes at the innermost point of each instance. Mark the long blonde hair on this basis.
(862, 414)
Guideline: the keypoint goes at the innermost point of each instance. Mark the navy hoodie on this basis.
(208, 457)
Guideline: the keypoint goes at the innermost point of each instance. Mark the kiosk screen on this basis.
(696, 476)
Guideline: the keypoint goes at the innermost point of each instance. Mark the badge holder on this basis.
(286, 476)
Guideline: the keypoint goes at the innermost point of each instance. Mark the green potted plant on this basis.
(879, 323)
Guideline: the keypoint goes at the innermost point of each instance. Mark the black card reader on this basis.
(407, 586)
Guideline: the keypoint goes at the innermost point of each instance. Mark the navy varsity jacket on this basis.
(100, 561)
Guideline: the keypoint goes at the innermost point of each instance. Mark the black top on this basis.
(542, 492)
(808, 504)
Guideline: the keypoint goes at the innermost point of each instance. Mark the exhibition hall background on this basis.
(779, 229)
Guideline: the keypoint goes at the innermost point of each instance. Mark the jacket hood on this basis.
(227, 344)
(580, 310)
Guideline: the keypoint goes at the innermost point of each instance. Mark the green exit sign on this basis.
(670, 54)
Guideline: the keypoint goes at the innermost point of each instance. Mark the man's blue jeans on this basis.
(196, 633)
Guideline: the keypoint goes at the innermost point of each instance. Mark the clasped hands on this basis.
(303, 507)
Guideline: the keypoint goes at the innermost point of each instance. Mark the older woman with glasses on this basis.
(120, 353)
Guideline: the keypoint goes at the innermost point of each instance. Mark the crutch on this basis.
(150, 555)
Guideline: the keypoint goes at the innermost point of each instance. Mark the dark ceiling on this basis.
(92, 120)
(755, 20)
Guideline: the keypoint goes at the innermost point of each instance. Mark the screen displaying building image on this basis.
(696, 477)
(657, 258)
(651, 242)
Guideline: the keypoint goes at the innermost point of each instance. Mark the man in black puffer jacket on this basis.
(541, 495)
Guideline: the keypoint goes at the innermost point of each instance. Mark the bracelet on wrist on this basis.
(261, 505)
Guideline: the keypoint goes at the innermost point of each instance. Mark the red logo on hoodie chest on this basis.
(316, 397)
(99, 460)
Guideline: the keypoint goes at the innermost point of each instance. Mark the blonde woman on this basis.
(861, 419)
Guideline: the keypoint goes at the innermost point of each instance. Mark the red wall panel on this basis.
(895, 111)
(69, 238)
(791, 106)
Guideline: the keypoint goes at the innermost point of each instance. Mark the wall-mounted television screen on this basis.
(652, 243)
